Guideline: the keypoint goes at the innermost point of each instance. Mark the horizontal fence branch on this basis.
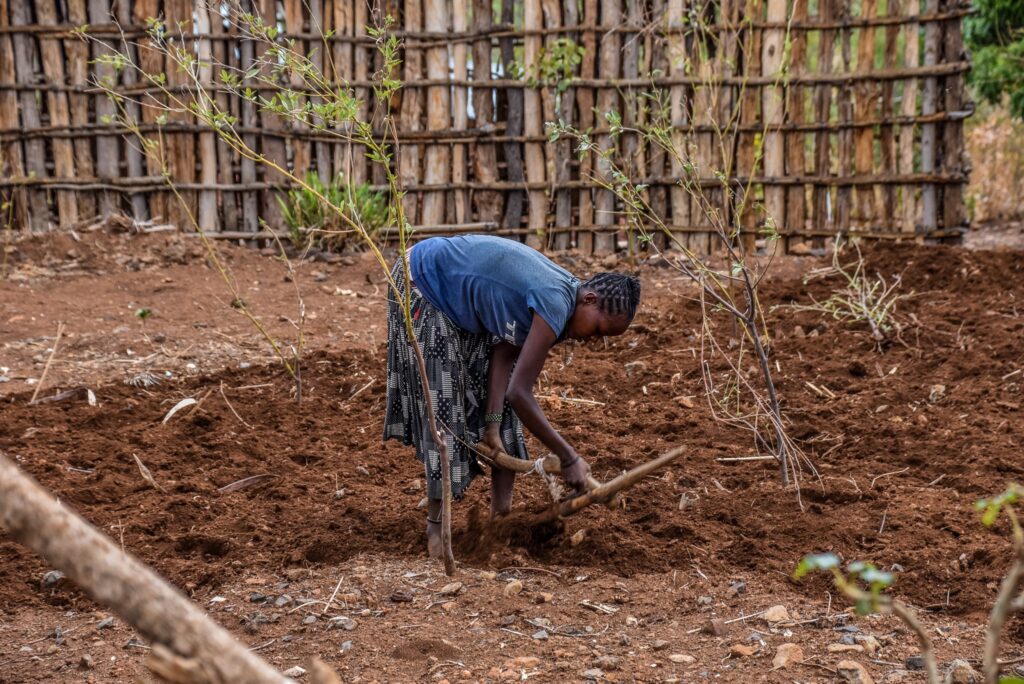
(493, 134)
(417, 39)
(155, 183)
(948, 69)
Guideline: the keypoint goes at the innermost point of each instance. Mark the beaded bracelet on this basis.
(493, 418)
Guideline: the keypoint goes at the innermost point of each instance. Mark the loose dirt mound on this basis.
(911, 438)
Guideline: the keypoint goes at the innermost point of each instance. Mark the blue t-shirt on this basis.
(492, 284)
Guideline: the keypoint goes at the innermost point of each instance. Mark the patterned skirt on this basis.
(457, 363)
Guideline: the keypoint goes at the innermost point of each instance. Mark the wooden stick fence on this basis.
(840, 115)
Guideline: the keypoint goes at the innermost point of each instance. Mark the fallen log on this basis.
(188, 646)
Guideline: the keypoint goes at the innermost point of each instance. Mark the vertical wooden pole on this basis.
(181, 146)
(953, 211)
(206, 215)
(908, 108)
(513, 127)
(136, 166)
(866, 94)
(887, 137)
(410, 117)
(750, 121)
(929, 133)
(76, 53)
(728, 110)
(551, 11)
(295, 23)
(107, 153)
(824, 210)
(656, 60)
(585, 98)
(845, 134)
(25, 75)
(151, 62)
(57, 107)
(317, 50)
(772, 99)
(460, 110)
(247, 171)
(341, 59)
(677, 66)
(272, 142)
(796, 165)
(563, 148)
(227, 53)
(631, 152)
(533, 125)
(607, 101)
(437, 170)
(363, 56)
(705, 94)
(488, 203)
(11, 157)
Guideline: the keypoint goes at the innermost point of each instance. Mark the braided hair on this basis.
(618, 294)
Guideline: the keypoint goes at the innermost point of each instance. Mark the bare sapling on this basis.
(724, 207)
(285, 83)
(861, 299)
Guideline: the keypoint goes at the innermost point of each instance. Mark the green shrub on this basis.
(312, 213)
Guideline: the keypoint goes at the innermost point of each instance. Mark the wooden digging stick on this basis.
(606, 491)
(188, 646)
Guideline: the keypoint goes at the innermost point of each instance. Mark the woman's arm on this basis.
(503, 357)
(520, 396)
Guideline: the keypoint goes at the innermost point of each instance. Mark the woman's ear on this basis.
(589, 297)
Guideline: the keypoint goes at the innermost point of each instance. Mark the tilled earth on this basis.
(905, 439)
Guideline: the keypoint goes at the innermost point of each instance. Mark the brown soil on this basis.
(900, 459)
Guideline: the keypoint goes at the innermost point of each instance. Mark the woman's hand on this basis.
(492, 438)
(576, 475)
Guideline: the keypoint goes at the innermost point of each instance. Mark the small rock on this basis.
(914, 663)
(578, 537)
(800, 249)
(543, 597)
(105, 623)
(682, 659)
(869, 643)
(742, 651)
(634, 367)
(513, 588)
(736, 589)
(522, 663)
(345, 647)
(776, 614)
(257, 598)
(786, 655)
(488, 575)
(610, 261)
(608, 663)
(319, 276)
(287, 638)
(541, 635)
(348, 261)
(716, 627)
(594, 673)
(362, 470)
(961, 672)
(342, 622)
(309, 620)
(659, 645)
(401, 596)
(845, 648)
(86, 662)
(160, 338)
(52, 579)
(624, 639)
(451, 589)
(705, 600)
(852, 672)
(631, 621)
(294, 672)
(449, 606)
(283, 600)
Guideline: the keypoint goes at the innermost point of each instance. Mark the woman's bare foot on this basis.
(434, 547)
(502, 482)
